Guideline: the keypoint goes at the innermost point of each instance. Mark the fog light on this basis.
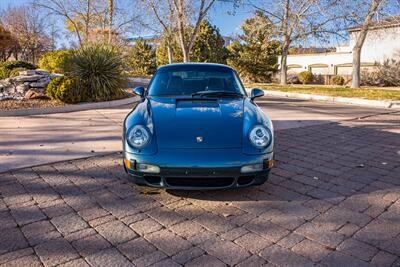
(147, 168)
(252, 168)
(127, 164)
(269, 163)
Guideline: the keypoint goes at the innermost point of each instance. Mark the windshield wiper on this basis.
(217, 93)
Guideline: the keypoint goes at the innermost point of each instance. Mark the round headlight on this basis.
(260, 136)
(138, 136)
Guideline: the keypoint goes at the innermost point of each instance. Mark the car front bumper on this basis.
(198, 168)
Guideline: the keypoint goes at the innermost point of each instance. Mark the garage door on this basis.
(295, 68)
(319, 70)
(344, 70)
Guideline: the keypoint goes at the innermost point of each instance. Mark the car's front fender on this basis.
(140, 115)
(252, 116)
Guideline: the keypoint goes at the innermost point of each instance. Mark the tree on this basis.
(186, 9)
(84, 17)
(209, 45)
(8, 44)
(28, 27)
(368, 20)
(255, 54)
(296, 20)
(70, 13)
(166, 51)
(110, 15)
(142, 59)
(164, 13)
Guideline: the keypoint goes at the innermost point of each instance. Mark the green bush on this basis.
(54, 61)
(338, 80)
(8, 66)
(305, 77)
(18, 64)
(4, 73)
(66, 89)
(15, 72)
(52, 87)
(98, 68)
(69, 91)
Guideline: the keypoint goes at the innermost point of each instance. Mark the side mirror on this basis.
(139, 91)
(255, 92)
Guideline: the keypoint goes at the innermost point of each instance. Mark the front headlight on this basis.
(138, 136)
(260, 136)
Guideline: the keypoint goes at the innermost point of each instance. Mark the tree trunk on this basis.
(111, 11)
(169, 48)
(356, 75)
(286, 42)
(355, 83)
(186, 57)
(283, 63)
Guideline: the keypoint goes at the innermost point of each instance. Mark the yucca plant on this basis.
(98, 68)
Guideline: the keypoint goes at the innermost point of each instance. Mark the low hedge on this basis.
(54, 61)
(68, 90)
(7, 67)
(338, 80)
(305, 77)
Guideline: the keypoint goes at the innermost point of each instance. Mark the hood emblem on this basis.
(199, 139)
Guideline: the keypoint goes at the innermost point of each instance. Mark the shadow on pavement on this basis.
(335, 186)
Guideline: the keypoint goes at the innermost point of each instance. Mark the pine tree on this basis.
(141, 59)
(209, 45)
(255, 54)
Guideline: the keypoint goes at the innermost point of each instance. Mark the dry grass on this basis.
(365, 93)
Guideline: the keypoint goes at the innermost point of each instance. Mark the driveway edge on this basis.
(333, 99)
(69, 108)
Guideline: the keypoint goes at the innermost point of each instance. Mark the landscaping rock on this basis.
(21, 88)
(32, 94)
(30, 84)
(32, 78)
(55, 75)
(33, 72)
(41, 83)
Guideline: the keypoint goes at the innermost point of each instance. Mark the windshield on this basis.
(188, 80)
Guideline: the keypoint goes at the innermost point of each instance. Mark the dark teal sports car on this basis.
(196, 128)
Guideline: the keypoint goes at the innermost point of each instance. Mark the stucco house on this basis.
(382, 42)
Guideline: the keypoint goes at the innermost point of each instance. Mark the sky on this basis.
(228, 24)
(223, 15)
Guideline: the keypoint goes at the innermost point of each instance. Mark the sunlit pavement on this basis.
(33, 140)
(333, 199)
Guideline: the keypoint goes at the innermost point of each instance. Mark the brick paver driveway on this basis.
(332, 200)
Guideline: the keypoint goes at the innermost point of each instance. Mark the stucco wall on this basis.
(317, 61)
(379, 45)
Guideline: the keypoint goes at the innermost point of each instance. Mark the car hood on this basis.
(197, 122)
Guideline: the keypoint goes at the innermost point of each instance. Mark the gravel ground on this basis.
(29, 104)
(40, 103)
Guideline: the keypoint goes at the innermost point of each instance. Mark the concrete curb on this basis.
(70, 108)
(333, 99)
(139, 80)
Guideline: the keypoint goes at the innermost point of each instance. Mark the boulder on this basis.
(32, 94)
(40, 83)
(55, 75)
(5, 83)
(33, 72)
(32, 78)
(21, 88)
(30, 84)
